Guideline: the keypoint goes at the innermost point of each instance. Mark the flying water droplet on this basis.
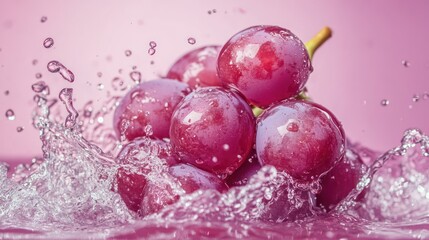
(405, 63)
(6, 92)
(34, 62)
(152, 44)
(38, 75)
(10, 114)
(385, 102)
(151, 51)
(292, 127)
(99, 74)
(49, 42)
(66, 97)
(19, 129)
(100, 86)
(136, 76)
(128, 52)
(88, 109)
(118, 84)
(192, 40)
(55, 66)
(43, 19)
(416, 98)
(39, 87)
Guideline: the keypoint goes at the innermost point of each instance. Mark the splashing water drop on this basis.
(10, 114)
(100, 86)
(118, 84)
(192, 40)
(19, 129)
(152, 44)
(384, 102)
(151, 51)
(405, 63)
(49, 42)
(39, 87)
(128, 52)
(66, 97)
(136, 76)
(55, 66)
(43, 19)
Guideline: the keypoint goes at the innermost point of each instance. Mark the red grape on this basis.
(146, 109)
(301, 138)
(197, 68)
(266, 63)
(242, 175)
(137, 159)
(340, 180)
(190, 179)
(213, 129)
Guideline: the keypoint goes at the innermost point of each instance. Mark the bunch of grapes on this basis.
(201, 127)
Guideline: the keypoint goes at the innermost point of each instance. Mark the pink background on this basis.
(353, 72)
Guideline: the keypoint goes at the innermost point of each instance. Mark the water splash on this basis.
(66, 97)
(55, 66)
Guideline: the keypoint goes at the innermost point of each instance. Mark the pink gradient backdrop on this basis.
(353, 72)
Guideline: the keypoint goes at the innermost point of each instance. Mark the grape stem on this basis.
(312, 45)
(318, 41)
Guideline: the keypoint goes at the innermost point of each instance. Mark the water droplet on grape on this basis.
(55, 66)
(136, 76)
(225, 147)
(100, 86)
(292, 127)
(66, 97)
(118, 84)
(192, 40)
(151, 51)
(49, 42)
(10, 114)
(384, 102)
(152, 44)
(148, 130)
(19, 129)
(43, 19)
(100, 119)
(128, 52)
(405, 63)
(38, 75)
(199, 161)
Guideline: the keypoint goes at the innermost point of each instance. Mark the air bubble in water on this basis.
(136, 76)
(384, 102)
(49, 42)
(128, 52)
(43, 19)
(55, 66)
(118, 84)
(66, 97)
(19, 129)
(405, 63)
(192, 40)
(152, 44)
(10, 114)
(38, 75)
(151, 51)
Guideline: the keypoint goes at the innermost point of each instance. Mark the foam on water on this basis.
(70, 191)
